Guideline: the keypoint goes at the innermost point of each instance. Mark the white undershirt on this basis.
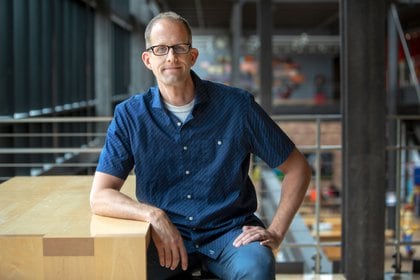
(181, 112)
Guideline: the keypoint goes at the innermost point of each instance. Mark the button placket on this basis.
(185, 149)
(187, 172)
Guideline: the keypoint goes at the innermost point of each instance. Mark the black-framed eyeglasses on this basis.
(160, 50)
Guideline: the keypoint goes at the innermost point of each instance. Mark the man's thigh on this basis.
(251, 261)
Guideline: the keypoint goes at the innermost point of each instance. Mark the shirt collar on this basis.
(157, 99)
(200, 94)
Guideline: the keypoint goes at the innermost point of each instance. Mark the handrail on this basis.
(48, 150)
(41, 144)
(322, 117)
(55, 120)
(61, 153)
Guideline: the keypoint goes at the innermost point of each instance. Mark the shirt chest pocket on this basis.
(213, 151)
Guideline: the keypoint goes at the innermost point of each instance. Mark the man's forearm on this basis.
(107, 200)
(113, 203)
(293, 190)
(290, 201)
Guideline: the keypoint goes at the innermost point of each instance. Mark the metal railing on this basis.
(402, 147)
(318, 147)
(33, 146)
(22, 140)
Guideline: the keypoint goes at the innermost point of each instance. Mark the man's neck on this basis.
(178, 95)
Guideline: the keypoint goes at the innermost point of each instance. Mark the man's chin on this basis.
(172, 80)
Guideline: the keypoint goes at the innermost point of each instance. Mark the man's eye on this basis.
(160, 49)
(179, 49)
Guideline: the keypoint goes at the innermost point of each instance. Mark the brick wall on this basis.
(304, 134)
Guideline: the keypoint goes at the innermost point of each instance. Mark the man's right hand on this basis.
(168, 241)
(107, 200)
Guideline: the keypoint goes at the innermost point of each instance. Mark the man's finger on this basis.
(243, 239)
(168, 258)
(184, 258)
(250, 234)
(175, 258)
(266, 242)
(246, 230)
(161, 253)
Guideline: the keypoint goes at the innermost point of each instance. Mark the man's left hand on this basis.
(255, 233)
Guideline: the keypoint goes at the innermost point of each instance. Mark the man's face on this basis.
(171, 69)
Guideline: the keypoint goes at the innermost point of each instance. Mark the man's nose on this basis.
(171, 54)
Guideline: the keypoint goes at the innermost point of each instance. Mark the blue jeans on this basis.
(252, 261)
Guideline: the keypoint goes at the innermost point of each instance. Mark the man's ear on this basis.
(194, 55)
(145, 56)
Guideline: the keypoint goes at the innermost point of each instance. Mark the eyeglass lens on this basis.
(164, 49)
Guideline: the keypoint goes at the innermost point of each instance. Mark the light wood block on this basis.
(21, 257)
(48, 232)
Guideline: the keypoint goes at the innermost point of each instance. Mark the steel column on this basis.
(236, 36)
(363, 107)
(6, 59)
(103, 65)
(392, 80)
(265, 71)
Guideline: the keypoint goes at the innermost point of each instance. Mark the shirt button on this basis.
(197, 246)
(188, 196)
(190, 218)
(187, 172)
(219, 142)
(179, 123)
(185, 148)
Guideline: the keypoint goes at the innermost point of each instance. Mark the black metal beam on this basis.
(392, 81)
(363, 107)
(21, 58)
(6, 59)
(236, 39)
(264, 23)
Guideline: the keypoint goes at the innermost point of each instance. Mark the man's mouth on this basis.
(171, 68)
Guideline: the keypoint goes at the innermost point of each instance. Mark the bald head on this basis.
(172, 16)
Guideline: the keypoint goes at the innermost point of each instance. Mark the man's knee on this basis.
(259, 265)
(255, 269)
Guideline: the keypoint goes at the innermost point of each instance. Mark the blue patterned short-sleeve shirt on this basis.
(197, 170)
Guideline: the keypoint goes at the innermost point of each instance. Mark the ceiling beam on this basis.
(301, 1)
(408, 1)
(200, 15)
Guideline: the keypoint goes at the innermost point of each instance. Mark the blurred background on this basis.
(65, 64)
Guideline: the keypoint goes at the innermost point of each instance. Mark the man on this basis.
(189, 142)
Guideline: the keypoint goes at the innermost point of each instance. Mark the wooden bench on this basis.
(48, 232)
